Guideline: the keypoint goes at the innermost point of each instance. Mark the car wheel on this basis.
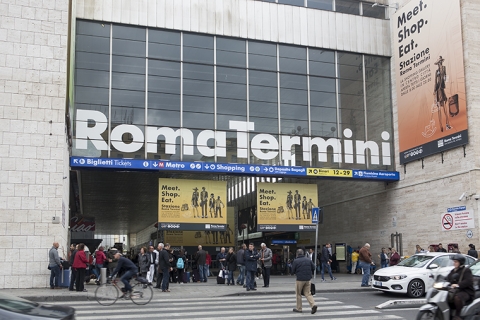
(416, 288)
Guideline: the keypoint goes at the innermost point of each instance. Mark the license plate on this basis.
(377, 283)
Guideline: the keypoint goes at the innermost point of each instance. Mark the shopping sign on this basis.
(457, 218)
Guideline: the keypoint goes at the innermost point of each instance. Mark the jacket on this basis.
(325, 255)
(251, 260)
(354, 256)
(240, 257)
(80, 261)
(53, 258)
(222, 263)
(383, 258)
(394, 259)
(267, 257)
(231, 261)
(473, 253)
(152, 258)
(72, 257)
(125, 265)
(201, 257)
(466, 285)
(365, 255)
(143, 262)
(303, 267)
(100, 257)
(163, 260)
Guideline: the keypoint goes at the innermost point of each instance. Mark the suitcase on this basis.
(453, 108)
(186, 277)
(220, 280)
(195, 276)
(64, 278)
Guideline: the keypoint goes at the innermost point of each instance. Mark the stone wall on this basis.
(33, 153)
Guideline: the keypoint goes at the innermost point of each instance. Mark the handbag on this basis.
(312, 289)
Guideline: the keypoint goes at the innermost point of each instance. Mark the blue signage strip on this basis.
(206, 167)
(284, 241)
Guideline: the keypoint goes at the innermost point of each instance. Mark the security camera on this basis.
(461, 197)
(476, 196)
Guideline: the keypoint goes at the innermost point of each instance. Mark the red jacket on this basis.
(80, 261)
(209, 260)
(100, 257)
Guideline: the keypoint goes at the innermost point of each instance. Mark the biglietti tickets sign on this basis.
(91, 125)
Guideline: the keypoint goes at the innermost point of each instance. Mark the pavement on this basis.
(278, 285)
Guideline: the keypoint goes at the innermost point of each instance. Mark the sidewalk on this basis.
(278, 285)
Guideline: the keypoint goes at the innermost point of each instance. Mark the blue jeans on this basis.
(366, 272)
(241, 276)
(325, 265)
(165, 279)
(54, 274)
(126, 280)
(203, 272)
(98, 269)
(384, 265)
(230, 277)
(250, 280)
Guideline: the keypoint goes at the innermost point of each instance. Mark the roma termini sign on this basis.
(214, 143)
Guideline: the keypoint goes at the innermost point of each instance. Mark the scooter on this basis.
(437, 307)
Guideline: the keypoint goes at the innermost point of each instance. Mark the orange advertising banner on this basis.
(430, 79)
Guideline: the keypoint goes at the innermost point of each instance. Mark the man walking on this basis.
(251, 257)
(164, 266)
(364, 262)
(325, 260)
(55, 266)
(201, 260)
(303, 267)
(241, 264)
(266, 260)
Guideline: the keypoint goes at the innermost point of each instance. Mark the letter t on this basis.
(242, 128)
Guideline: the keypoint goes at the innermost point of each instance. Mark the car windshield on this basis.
(15, 304)
(475, 269)
(416, 261)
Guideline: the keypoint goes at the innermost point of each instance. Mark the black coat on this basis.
(201, 257)
(231, 261)
(466, 285)
(163, 260)
(251, 260)
(473, 253)
(303, 267)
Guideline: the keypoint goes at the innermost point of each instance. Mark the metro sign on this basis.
(263, 146)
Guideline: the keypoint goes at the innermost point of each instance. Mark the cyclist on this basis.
(129, 268)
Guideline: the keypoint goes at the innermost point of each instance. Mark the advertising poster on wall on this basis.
(430, 80)
(285, 206)
(192, 204)
(205, 238)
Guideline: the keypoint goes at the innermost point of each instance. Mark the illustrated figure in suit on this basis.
(211, 205)
(310, 206)
(289, 205)
(439, 93)
(195, 196)
(304, 208)
(218, 207)
(207, 237)
(204, 202)
(297, 198)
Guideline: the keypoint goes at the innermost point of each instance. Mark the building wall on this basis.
(33, 152)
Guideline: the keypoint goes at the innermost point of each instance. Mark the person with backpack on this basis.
(181, 262)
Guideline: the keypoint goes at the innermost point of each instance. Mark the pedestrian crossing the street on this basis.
(235, 308)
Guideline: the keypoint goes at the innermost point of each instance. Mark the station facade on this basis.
(97, 95)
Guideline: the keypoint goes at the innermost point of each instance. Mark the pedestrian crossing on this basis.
(236, 308)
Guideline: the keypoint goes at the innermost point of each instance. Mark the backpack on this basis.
(180, 264)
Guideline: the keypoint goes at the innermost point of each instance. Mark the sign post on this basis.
(315, 215)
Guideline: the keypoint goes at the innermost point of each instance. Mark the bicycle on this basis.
(108, 293)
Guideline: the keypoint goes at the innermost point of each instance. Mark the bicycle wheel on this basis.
(141, 294)
(106, 294)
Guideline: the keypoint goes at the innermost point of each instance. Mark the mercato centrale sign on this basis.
(263, 146)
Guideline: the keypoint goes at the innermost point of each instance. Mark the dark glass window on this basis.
(262, 56)
(293, 59)
(320, 4)
(299, 3)
(197, 48)
(347, 6)
(95, 28)
(373, 12)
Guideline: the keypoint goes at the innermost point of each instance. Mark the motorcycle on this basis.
(437, 307)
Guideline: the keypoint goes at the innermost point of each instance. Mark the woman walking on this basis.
(80, 264)
(143, 264)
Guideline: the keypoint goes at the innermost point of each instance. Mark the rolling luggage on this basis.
(64, 278)
(186, 277)
(195, 276)
(221, 277)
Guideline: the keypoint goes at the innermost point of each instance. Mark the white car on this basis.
(416, 274)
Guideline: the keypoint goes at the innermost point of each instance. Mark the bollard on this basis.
(103, 275)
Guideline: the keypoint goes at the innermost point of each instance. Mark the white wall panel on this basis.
(274, 23)
(178, 15)
(152, 13)
(303, 27)
(282, 36)
(194, 15)
(296, 24)
(160, 21)
(266, 21)
(169, 14)
(227, 18)
(107, 10)
(186, 15)
(249, 19)
(288, 24)
(311, 27)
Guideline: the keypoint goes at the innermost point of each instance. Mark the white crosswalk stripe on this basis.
(235, 308)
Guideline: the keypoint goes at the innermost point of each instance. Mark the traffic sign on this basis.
(315, 214)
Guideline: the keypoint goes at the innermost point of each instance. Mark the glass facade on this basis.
(144, 78)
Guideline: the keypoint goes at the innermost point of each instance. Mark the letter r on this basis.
(94, 134)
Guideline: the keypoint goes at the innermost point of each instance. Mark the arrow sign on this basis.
(315, 213)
